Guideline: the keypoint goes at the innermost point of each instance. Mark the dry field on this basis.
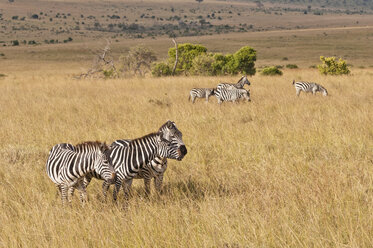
(280, 171)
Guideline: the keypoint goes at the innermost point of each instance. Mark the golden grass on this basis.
(280, 171)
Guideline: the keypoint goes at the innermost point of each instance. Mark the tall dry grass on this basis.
(280, 171)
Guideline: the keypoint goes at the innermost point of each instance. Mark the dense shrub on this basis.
(186, 53)
(194, 59)
(15, 42)
(271, 71)
(291, 66)
(245, 60)
(161, 69)
(330, 66)
(202, 65)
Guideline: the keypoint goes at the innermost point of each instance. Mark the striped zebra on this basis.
(309, 87)
(201, 93)
(239, 85)
(129, 160)
(232, 94)
(67, 166)
(155, 167)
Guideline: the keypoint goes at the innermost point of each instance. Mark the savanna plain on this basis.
(279, 171)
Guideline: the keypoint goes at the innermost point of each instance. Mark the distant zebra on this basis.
(155, 167)
(309, 87)
(67, 166)
(239, 85)
(232, 94)
(201, 93)
(129, 160)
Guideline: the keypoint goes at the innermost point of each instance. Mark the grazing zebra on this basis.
(232, 94)
(239, 85)
(309, 87)
(201, 93)
(156, 167)
(129, 160)
(67, 166)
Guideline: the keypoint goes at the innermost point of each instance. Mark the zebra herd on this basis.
(224, 92)
(72, 167)
(233, 92)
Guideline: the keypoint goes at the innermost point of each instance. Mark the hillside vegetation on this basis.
(280, 171)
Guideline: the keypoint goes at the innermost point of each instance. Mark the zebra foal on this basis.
(67, 166)
(201, 93)
(309, 87)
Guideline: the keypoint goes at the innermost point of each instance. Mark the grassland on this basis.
(280, 171)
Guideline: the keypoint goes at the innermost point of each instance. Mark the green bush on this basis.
(330, 66)
(245, 60)
(202, 65)
(186, 53)
(161, 69)
(15, 42)
(271, 71)
(194, 59)
(291, 66)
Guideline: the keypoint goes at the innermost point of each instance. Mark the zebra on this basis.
(201, 93)
(153, 169)
(309, 87)
(239, 85)
(129, 160)
(156, 167)
(67, 166)
(232, 94)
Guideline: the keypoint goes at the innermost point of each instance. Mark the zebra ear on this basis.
(169, 124)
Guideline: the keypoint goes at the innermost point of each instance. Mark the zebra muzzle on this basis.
(182, 152)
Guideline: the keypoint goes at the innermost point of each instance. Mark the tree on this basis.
(186, 53)
(245, 60)
(199, 1)
(138, 60)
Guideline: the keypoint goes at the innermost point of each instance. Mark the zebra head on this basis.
(245, 94)
(103, 165)
(243, 80)
(172, 134)
(324, 91)
(169, 149)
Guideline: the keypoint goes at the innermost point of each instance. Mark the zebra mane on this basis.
(167, 124)
(240, 79)
(150, 135)
(96, 144)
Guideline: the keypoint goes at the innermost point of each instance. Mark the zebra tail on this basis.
(293, 81)
(189, 98)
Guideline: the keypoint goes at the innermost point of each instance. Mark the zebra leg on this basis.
(297, 92)
(105, 188)
(82, 192)
(70, 193)
(64, 191)
(127, 188)
(193, 98)
(118, 184)
(158, 183)
(147, 185)
(207, 98)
